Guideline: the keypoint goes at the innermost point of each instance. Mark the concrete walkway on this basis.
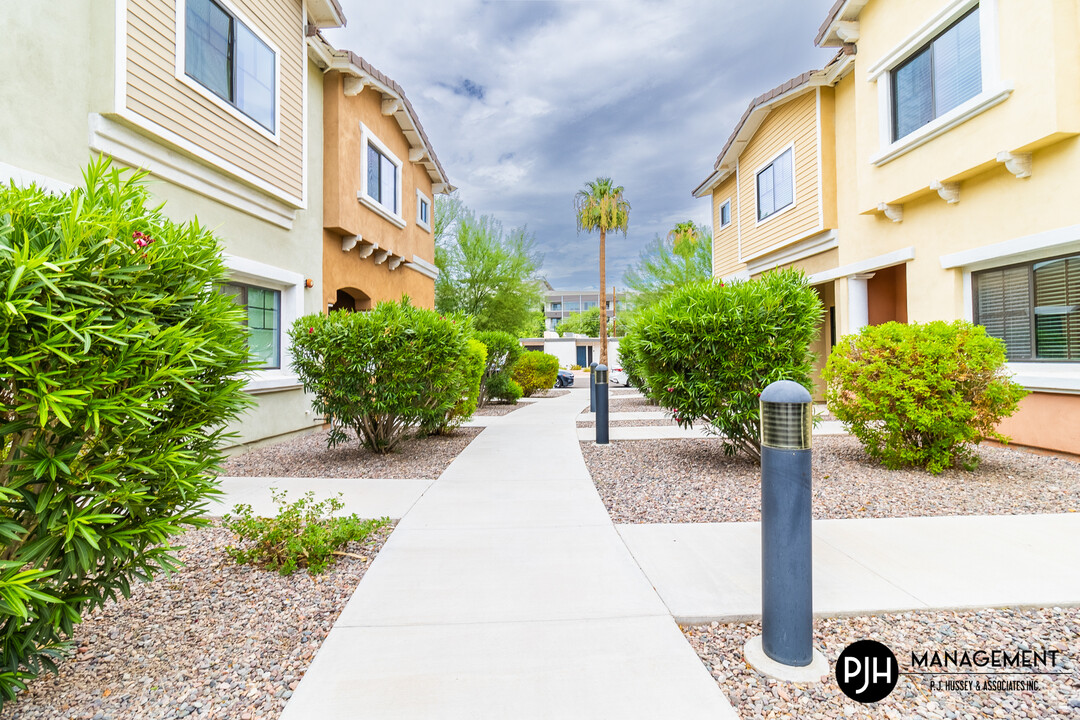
(708, 572)
(506, 592)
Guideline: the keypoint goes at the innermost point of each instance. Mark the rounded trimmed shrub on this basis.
(921, 394)
(382, 373)
(708, 350)
(470, 372)
(535, 371)
(121, 366)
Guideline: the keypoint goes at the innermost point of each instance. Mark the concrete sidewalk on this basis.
(707, 572)
(506, 592)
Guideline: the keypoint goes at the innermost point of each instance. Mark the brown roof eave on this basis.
(370, 70)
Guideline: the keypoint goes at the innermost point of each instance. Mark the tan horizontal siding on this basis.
(726, 240)
(795, 121)
(155, 93)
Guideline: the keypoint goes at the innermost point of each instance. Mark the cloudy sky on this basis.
(525, 100)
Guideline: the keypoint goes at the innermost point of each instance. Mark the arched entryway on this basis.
(350, 300)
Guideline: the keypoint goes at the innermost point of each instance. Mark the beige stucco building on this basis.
(947, 163)
(225, 103)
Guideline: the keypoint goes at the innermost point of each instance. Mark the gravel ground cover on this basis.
(661, 481)
(628, 423)
(497, 409)
(308, 456)
(552, 393)
(630, 403)
(214, 640)
(755, 696)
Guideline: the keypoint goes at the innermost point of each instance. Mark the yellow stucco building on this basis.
(939, 149)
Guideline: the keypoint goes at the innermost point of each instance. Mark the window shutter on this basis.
(1057, 309)
(1003, 307)
(957, 64)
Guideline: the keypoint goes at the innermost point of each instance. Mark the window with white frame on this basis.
(1034, 307)
(725, 214)
(382, 179)
(940, 76)
(226, 57)
(263, 321)
(776, 185)
(423, 210)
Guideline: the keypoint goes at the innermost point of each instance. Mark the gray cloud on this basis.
(525, 101)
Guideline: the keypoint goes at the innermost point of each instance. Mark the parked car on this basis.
(565, 378)
(618, 376)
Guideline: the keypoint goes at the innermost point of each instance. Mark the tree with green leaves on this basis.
(586, 322)
(667, 264)
(447, 210)
(490, 274)
(600, 206)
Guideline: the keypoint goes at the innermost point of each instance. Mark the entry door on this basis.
(582, 358)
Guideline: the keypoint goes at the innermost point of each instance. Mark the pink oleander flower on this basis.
(310, 331)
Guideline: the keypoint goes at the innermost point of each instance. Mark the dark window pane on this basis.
(206, 46)
(254, 77)
(765, 193)
(913, 100)
(725, 214)
(957, 65)
(373, 185)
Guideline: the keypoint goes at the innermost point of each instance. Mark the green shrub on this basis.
(381, 373)
(470, 372)
(575, 367)
(121, 365)
(921, 394)
(503, 350)
(304, 534)
(535, 371)
(505, 388)
(708, 350)
(630, 359)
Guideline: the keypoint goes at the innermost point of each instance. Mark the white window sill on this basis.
(266, 381)
(962, 113)
(423, 225)
(1047, 376)
(382, 210)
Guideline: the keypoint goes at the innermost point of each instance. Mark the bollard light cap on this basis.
(785, 391)
(600, 372)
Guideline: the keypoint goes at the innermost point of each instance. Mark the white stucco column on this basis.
(858, 302)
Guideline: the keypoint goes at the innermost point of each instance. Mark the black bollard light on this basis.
(592, 387)
(601, 374)
(786, 578)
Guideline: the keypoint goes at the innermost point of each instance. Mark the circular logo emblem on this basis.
(867, 671)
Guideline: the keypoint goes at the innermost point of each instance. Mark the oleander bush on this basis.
(382, 373)
(120, 366)
(921, 395)
(503, 350)
(535, 371)
(470, 371)
(303, 534)
(707, 350)
(629, 359)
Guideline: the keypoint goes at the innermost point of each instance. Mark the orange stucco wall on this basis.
(344, 215)
(1046, 420)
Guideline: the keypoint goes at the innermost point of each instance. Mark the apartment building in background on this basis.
(561, 304)
(948, 150)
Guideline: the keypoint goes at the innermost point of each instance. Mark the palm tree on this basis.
(600, 206)
(683, 238)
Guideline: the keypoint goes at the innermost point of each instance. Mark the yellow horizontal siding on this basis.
(725, 240)
(795, 121)
(155, 93)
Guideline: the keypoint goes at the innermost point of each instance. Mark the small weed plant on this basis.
(305, 533)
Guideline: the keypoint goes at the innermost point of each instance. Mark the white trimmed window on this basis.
(423, 210)
(274, 299)
(225, 56)
(1034, 307)
(776, 184)
(725, 214)
(944, 73)
(380, 177)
